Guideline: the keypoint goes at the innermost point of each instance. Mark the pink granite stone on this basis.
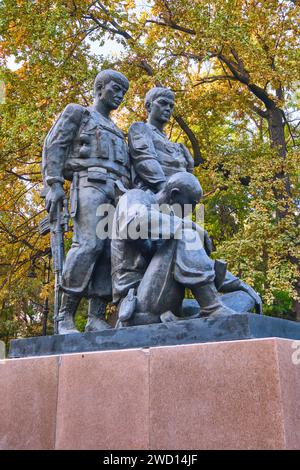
(227, 395)
(289, 374)
(103, 401)
(28, 389)
(216, 396)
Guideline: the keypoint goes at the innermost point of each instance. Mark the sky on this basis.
(111, 47)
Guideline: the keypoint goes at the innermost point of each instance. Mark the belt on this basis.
(104, 171)
(101, 172)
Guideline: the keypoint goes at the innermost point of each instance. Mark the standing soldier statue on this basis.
(154, 157)
(85, 147)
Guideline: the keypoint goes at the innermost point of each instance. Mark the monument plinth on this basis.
(219, 328)
(162, 379)
(242, 394)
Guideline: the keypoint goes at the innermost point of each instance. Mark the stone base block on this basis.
(200, 330)
(242, 394)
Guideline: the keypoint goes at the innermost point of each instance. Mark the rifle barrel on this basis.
(58, 255)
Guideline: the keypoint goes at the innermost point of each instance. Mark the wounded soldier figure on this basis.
(156, 255)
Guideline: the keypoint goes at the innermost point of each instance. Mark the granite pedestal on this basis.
(242, 394)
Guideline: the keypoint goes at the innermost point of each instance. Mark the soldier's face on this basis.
(187, 198)
(162, 109)
(112, 94)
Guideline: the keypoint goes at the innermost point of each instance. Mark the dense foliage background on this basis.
(234, 65)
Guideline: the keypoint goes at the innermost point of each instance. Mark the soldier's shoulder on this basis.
(137, 195)
(138, 127)
(146, 198)
(74, 111)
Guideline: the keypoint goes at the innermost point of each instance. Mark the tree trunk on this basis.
(276, 130)
(276, 126)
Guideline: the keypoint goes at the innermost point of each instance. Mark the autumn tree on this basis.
(52, 70)
(245, 55)
(234, 65)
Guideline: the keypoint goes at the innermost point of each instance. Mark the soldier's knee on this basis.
(94, 246)
(90, 245)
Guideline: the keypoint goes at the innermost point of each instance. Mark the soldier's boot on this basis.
(96, 315)
(69, 304)
(209, 300)
(127, 306)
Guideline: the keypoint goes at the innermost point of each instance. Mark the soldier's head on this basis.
(182, 189)
(109, 88)
(159, 102)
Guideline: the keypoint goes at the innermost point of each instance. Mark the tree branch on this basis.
(214, 78)
(114, 22)
(172, 25)
(150, 71)
(260, 111)
(242, 76)
(289, 128)
(143, 64)
(189, 55)
(195, 144)
(105, 27)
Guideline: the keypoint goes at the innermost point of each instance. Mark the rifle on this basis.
(57, 229)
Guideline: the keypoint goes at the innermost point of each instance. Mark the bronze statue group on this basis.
(144, 180)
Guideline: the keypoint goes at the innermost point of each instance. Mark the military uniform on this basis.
(91, 152)
(160, 266)
(154, 157)
(155, 255)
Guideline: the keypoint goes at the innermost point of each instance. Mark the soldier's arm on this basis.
(148, 222)
(143, 155)
(58, 142)
(145, 221)
(189, 159)
(56, 149)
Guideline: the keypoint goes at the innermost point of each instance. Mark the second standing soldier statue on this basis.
(86, 147)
